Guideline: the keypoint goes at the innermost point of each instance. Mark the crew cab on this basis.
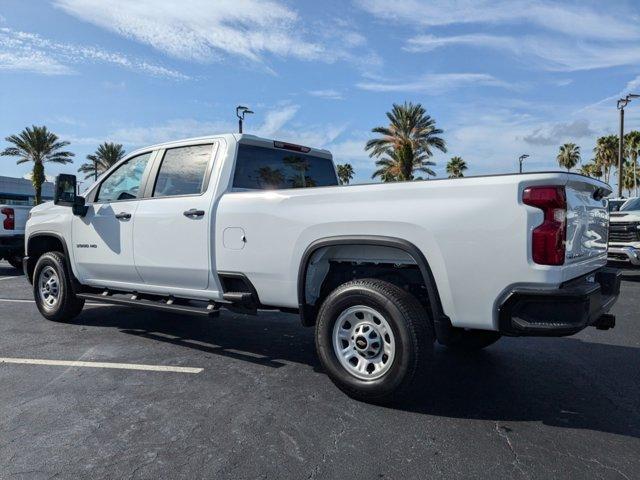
(12, 222)
(624, 233)
(382, 270)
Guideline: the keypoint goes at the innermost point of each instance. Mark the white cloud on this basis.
(276, 119)
(23, 51)
(31, 61)
(575, 20)
(277, 123)
(552, 53)
(203, 31)
(329, 93)
(435, 83)
(559, 133)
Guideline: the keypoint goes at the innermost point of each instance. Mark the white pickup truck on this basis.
(381, 270)
(12, 222)
(624, 233)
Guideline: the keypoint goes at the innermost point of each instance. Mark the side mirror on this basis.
(65, 194)
(65, 190)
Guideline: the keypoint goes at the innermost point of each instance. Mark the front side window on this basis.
(183, 171)
(124, 183)
(261, 168)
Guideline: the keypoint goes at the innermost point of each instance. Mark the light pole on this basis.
(521, 159)
(240, 113)
(623, 102)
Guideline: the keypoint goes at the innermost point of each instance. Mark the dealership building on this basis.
(19, 191)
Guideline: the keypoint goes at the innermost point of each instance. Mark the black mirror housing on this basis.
(65, 190)
(65, 194)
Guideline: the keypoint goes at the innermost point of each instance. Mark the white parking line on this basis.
(8, 278)
(121, 366)
(19, 300)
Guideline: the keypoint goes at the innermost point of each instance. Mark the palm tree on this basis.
(591, 169)
(630, 176)
(632, 141)
(37, 145)
(456, 167)
(405, 146)
(606, 154)
(393, 162)
(105, 156)
(345, 173)
(569, 156)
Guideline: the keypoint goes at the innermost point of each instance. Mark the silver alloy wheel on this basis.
(363, 342)
(49, 287)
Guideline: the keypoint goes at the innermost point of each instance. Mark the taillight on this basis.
(548, 240)
(291, 146)
(10, 218)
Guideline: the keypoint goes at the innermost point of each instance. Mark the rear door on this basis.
(587, 224)
(173, 224)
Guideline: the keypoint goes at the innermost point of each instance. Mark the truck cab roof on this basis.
(243, 138)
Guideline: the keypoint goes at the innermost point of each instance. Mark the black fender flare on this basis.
(442, 323)
(31, 262)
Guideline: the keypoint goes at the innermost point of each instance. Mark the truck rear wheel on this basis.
(373, 340)
(52, 289)
(466, 340)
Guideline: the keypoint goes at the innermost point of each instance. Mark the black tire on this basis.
(15, 262)
(67, 305)
(465, 340)
(412, 332)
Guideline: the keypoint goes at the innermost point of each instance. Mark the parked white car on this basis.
(624, 233)
(381, 270)
(13, 219)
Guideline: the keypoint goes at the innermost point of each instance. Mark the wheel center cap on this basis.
(361, 343)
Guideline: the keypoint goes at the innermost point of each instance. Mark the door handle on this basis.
(123, 216)
(192, 213)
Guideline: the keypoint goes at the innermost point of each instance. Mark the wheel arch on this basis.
(42, 242)
(442, 324)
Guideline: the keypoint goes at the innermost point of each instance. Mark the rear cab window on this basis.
(264, 168)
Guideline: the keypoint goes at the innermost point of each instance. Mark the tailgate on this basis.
(587, 224)
(21, 212)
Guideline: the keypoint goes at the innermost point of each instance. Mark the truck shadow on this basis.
(7, 270)
(561, 382)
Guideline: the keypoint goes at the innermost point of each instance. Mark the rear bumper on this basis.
(624, 254)
(11, 246)
(577, 304)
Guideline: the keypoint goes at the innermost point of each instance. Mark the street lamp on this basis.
(240, 113)
(521, 159)
(623, 102)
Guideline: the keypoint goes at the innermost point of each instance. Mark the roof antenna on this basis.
(240, 113)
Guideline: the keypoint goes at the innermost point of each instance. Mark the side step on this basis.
(167, 305)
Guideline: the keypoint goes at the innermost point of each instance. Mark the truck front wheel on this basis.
(52, 289)
(373, 340)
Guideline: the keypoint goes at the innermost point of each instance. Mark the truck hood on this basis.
(42, 207)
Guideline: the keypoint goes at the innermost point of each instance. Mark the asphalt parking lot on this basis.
(262, 408)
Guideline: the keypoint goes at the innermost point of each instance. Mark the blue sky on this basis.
(501, 78)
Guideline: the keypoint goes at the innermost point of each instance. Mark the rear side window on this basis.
(183, 171)
(124, 182)
(260, 168)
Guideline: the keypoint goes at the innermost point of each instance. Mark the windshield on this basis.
(615, 205)
(631, 205)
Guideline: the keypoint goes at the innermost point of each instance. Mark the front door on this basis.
(103, 238)
(174, 225)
